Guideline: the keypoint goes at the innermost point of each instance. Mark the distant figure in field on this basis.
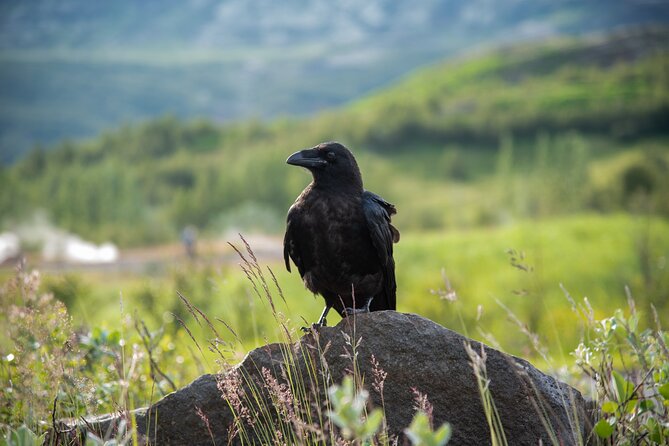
(189, 240)
(339, 235)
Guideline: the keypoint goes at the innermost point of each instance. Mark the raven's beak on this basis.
(308, 158)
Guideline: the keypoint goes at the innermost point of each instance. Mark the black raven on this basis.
(339, 235)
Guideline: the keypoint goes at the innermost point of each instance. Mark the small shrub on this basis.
(49, 370)
(628, 366)
(39, 357)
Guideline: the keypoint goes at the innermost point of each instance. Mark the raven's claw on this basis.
(314, 326)
(349, 311)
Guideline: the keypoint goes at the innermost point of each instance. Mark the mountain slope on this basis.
(74, 68)
(614, 85)
(510, 133)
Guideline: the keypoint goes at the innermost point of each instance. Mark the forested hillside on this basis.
(74, 68)
(509, 134)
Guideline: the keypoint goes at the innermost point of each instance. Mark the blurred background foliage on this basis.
(73, 68)
(558, 150)
(530, 131)
(535, 161)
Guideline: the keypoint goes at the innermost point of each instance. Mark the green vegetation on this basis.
(633, 400)
(526, 176)
(462, 279)
(526, 132)
(75, 72)
(620, 362)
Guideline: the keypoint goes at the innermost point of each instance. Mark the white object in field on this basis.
(72, 249)
(80, 251)
(10, 246)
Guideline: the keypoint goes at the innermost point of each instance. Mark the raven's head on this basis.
(330, 163)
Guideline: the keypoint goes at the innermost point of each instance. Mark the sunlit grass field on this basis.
(466, 280)
(138, 339)
(493, 257)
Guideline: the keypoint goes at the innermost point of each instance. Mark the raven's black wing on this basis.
(377, 215)
(291, 248)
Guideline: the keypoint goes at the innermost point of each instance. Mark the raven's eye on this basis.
(331, 156)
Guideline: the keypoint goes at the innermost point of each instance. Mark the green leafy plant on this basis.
(22, 436)
(349, 412)
(629, 369)
(420, 432)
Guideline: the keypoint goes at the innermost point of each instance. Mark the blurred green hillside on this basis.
(522, 177)
(72, 68)
(522, 132)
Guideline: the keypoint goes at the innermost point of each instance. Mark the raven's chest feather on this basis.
(333, 212)
(338, 234)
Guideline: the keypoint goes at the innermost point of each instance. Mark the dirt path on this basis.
(160, 257)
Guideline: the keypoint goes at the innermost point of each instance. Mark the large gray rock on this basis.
(416, 353)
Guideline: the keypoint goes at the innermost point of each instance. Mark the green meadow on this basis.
(532, 185)
(468, 280)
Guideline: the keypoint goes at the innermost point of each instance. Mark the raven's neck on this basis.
(349, 184)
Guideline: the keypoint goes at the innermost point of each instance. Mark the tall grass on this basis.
(620, 363)
(478, 361)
